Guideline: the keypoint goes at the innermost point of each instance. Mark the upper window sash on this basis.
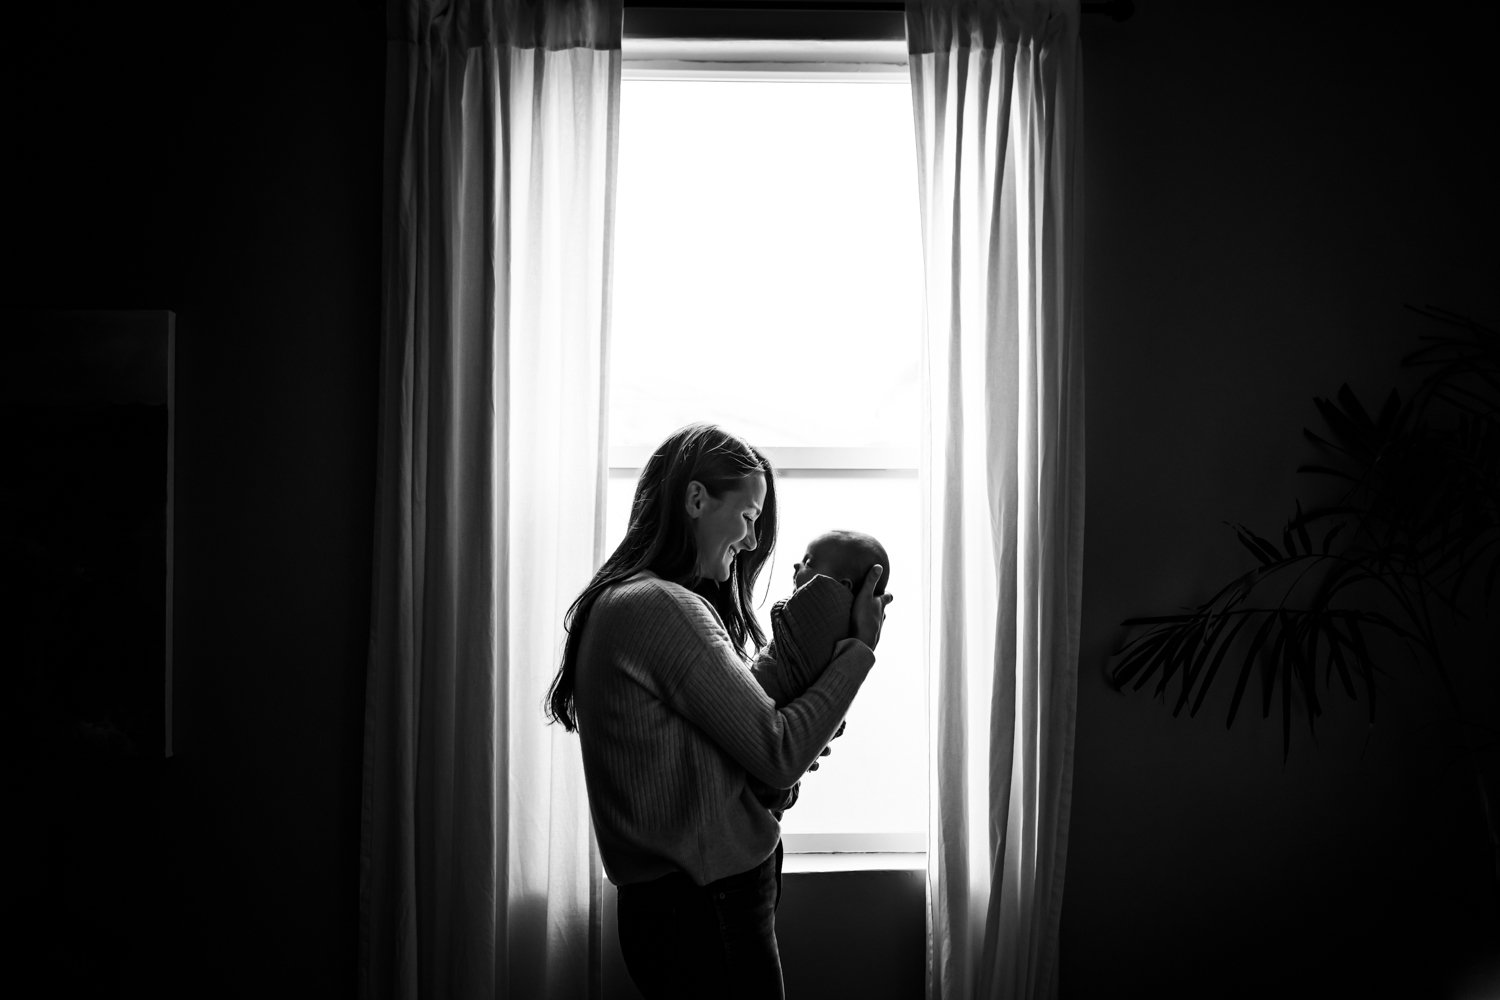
(723, 43)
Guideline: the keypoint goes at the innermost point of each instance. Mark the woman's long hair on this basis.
(660, 539)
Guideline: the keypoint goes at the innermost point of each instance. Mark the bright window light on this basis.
(767, 262)
(768, 279)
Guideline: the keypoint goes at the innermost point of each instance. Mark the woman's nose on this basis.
(748, 543)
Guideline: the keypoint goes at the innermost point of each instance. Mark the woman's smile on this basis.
(727, 523)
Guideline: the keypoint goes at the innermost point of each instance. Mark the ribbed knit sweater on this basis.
(673, 724)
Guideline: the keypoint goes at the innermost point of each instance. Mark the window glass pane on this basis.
(767, 262)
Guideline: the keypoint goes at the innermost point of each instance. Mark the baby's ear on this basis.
(848, 584)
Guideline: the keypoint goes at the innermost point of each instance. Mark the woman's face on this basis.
(724, 526)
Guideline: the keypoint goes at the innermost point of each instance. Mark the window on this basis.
(768, 278)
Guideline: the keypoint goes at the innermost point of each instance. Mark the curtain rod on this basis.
(1119, 10)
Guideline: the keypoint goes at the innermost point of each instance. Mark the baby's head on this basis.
(844, 555)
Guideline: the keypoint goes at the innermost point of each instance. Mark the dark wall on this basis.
(280, 153)
(1262, 198)
(225, 164)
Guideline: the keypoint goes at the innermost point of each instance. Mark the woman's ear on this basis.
(697, 494)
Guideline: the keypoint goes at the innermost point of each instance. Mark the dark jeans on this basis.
(687, 942)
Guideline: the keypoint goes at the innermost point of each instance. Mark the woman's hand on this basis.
(868, 613)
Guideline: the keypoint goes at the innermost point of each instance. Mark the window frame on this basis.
(700, 44)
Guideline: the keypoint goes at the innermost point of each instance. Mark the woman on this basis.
(687, 760)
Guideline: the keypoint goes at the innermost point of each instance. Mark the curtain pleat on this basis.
(995, 91)
(478, 874)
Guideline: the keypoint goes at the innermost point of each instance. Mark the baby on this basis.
(806, 626)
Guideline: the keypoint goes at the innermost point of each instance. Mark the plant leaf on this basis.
(1263, 550)
(1354, 409)
(1167, 659)
(1300, 523)
(1214, 626)
(1134, 655)
(1336, 656)
(1362, 660)
(1213, 667)
(1305, 662)
(1271, 665)
(1246, 669)
(1390, 414)
(1347, 433)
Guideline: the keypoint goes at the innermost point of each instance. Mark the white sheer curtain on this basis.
(995, 91)
(478, 876)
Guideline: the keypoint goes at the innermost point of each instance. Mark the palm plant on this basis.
(1409, 545)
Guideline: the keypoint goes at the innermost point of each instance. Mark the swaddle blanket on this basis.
(804, 629)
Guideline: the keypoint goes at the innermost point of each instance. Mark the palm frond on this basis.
(1416, 527)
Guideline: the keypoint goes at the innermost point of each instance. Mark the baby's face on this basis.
(821, 557)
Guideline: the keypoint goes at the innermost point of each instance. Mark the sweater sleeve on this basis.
(703, 679)
(767, 669)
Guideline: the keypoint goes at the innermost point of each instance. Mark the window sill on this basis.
(885, 861)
